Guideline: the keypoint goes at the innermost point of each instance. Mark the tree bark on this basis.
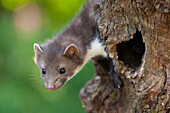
(146, 77)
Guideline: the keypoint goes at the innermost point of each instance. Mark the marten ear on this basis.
(72, 51)
(37, 49)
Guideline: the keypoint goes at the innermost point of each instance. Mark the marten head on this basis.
(57, 63)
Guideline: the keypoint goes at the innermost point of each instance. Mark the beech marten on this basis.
(62, 57)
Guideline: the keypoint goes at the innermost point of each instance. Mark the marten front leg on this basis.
(117, 82)
(105, 65)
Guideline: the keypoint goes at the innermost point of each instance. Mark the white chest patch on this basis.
(96, 49)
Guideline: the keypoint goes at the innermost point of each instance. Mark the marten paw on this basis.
(116, 80)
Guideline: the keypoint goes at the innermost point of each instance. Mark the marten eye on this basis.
(62, 71)
(43, 71)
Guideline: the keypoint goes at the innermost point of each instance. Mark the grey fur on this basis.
(81, 32)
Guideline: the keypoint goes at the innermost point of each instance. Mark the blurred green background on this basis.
(22, 23)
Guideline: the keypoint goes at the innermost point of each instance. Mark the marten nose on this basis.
(51, 87)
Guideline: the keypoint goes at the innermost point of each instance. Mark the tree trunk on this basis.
(137, 37)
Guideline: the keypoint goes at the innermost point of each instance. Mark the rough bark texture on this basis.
(146, 86)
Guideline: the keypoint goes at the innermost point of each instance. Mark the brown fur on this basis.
(81, 32)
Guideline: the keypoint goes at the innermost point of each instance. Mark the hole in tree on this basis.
(131, 52)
